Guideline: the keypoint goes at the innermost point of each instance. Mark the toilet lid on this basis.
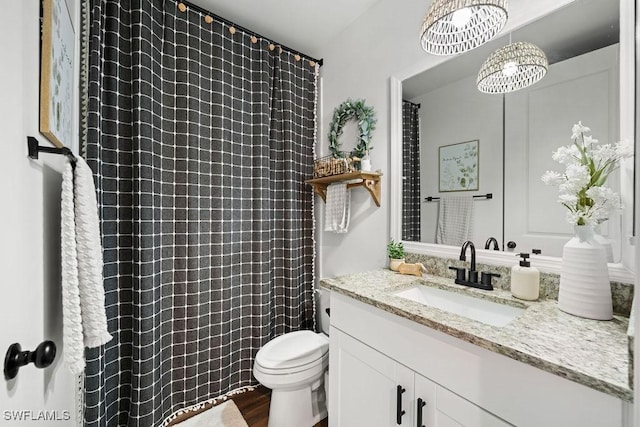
(293, 349)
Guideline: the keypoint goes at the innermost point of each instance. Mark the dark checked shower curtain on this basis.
(200, 141)
(410, 172)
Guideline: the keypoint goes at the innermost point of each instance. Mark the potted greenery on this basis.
(395, 250)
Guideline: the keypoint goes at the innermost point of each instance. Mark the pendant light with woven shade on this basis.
(451, 27)
(512, 67)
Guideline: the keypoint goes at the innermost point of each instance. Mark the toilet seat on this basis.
(293, 352)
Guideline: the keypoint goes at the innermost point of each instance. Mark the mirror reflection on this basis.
(473, 162)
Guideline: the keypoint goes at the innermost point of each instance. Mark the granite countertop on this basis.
(590, 352)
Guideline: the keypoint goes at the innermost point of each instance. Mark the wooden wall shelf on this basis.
(368, 180)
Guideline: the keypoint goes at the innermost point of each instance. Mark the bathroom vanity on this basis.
(412, 351)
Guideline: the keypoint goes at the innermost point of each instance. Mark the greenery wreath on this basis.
(366, 121)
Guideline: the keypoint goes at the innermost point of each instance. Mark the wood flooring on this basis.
(254, 407)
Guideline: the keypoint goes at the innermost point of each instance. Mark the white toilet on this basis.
(293, 366)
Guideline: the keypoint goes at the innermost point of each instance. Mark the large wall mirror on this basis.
(506, 141)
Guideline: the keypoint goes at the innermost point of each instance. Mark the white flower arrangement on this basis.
(587, 166)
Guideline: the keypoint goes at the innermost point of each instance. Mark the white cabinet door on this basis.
(425, 402)
(364, 386)
(453, 410)
(364, 392)
(446, 409)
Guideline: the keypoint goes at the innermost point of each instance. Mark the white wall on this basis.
(29, 225)
(456, 113)
(358, 64)
(382, 43)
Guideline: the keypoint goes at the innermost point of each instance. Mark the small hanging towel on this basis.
(455, 220)
(337, 210)
(83, 307)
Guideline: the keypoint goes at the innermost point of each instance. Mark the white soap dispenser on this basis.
(365, 163)
(525, 280)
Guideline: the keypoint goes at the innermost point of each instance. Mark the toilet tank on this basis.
(323, 301)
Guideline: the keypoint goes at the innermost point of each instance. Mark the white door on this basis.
(538, 120)
(364, 386)
(31, 301)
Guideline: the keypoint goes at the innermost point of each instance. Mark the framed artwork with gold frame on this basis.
(56, 73)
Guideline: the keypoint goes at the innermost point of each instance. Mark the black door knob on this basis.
(44, 354)
(511, 244)
(15, 358)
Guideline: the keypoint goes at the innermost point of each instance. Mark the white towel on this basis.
(84, 317)
(455, 220)
(337, 211)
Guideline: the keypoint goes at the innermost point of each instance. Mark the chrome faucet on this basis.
(490, 240)
(472, 279)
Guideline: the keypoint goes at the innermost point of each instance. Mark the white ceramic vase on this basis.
(585, 289)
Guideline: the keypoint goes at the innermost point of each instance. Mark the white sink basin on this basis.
(489, 312)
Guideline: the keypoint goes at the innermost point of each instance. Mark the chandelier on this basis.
(455, 26)
(512, 67)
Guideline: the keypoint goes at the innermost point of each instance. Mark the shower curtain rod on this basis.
(412, 103)
(241, 28)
